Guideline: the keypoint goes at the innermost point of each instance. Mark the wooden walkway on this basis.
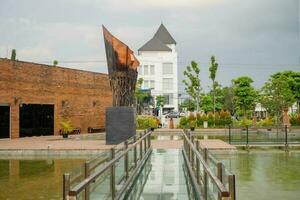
(216, 145)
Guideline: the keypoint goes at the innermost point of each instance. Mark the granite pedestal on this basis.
(120, 124)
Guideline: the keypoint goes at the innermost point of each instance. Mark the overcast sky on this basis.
(248, 37)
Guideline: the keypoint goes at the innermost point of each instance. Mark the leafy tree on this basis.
(160, 101)
(245, 96)
(13, 55)
(213, 71)
(228, 94)
(142, 98)
(188, 104)
(276, 95)
(293, 80)
(55, 63)
(193, 85)
(217, 94)
(206, 103)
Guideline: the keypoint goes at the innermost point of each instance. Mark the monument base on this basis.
(120, 124)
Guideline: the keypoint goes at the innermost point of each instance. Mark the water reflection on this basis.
(265, 174)
(34, 179)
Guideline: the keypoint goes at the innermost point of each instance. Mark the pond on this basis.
(35, 178)
(267, 175)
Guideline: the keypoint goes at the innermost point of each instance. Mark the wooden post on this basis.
(112, 176)
(66, 186)
(229, 129)
(135, 152)
(126, 161)
(197, 163)
(231, 181)
(141, 147)
(205, 175)
(192, 152)
(220, 175)
(145, 145)
(247, 132)
(86, 174)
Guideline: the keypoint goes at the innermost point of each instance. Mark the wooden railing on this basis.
(206, 183)
(94, 169)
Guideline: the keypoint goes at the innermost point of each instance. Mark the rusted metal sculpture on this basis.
(122, 70)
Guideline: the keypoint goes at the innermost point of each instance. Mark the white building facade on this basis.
(159, 67)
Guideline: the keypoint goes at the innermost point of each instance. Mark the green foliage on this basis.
(55, 63)
(142, 98)
(192, 82)
(183, 123)
(213, 71)
(13, 55)
(192, 124)
(188, 104)
(245, 122)
(276, 95)
(206, 103)
(228, 99)
(66, 126)
(160, 101)
(295, 119)
(225, 118)
(146, 121)
(245, 94)
(265, 122)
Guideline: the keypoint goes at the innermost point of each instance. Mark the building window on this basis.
(146, 84)
(140, 70)
(167, 68)
(167, 83)
(168, 99)
(152, 84)
(152, 70)
(146, 69)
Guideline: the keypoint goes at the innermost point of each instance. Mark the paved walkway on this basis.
(216, 145)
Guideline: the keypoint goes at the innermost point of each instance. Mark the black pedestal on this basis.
(120, 124)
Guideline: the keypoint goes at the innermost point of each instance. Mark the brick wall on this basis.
(78, 95)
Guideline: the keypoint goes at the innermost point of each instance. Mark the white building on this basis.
(158, 67)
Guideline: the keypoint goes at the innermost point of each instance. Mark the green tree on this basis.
(142, 98)
(245, 95)
(217, 95)
(55, 63)
(192, 82)
(160, 101)
(276, 95)
(13, 55)
(188, 104)
(293, 80)
(213, 71)
(228, 95)
(206, 103)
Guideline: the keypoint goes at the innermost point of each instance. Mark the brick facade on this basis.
(80, 96)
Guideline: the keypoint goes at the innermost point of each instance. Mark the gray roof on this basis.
(154, 45)
(159, 41)
(163, 35)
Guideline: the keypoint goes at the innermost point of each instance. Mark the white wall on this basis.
(157, 58)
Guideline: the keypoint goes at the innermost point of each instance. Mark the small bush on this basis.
(146, 121)
(184, 122)
(295, 119)
(265, 122)
(245, 122)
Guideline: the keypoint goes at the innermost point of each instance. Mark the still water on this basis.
(265, 175)
(34, 178)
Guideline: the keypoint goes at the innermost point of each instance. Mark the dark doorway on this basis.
(36, 120)
(4, 121)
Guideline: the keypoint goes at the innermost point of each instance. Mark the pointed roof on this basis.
(163, 35)
(154, 45)
(159, 42)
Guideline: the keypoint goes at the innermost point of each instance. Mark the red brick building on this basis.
(34, 98)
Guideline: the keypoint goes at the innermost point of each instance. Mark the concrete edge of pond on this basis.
(41, 152)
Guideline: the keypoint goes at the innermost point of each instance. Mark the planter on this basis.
(152, 129)
(192, 128)
(65, 135)
(269, 129)
(205, 124)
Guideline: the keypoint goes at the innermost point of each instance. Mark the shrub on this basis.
(199, 120)
(146, 121)
(245, 122)
(210, 119)
(66, 126)
(265, 122)
(295, 119)
(191, 117)
(225, 118)
(192, 124)
(184, 122)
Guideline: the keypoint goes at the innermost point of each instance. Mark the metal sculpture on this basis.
(122, 70)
